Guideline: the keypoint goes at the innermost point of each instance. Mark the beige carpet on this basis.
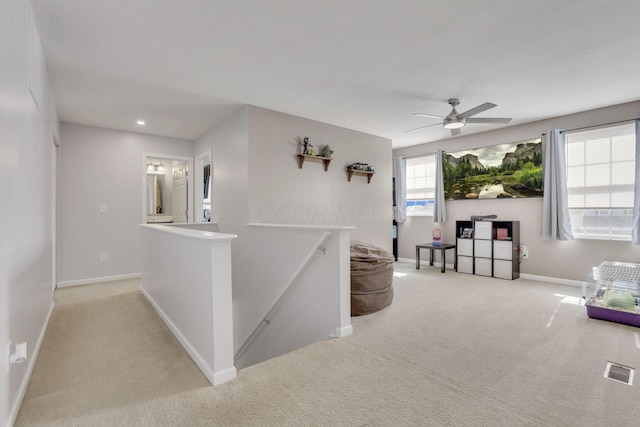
(451, 350)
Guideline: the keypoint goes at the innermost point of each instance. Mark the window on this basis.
(600, 181)
(421, 185)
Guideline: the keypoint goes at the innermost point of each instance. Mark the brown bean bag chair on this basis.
(371, 278)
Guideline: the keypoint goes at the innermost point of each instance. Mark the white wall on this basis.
(570, 260)
(281, 192)
(26, 173)
(103, 166)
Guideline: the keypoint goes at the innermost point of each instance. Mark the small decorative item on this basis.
(360, 167)
(436, 235)
(303, 147)
(312, 150)
(467, 233)
(326, 151)
(502, 233)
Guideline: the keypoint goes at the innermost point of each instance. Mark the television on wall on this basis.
(503, 171)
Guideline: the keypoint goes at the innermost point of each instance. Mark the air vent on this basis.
(620, 373)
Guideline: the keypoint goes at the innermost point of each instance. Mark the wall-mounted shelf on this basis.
(324, 160)
(351, 172)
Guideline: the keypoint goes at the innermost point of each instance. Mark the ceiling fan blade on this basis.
(428, 115)
(488, 120)
(422, 127)
(477, 110)
(455, 132)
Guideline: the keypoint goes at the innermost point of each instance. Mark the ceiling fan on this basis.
(454, 121)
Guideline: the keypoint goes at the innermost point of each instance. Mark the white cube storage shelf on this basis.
(465, 247)
(492, 250)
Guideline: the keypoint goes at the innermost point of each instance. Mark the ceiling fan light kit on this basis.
(454, 120)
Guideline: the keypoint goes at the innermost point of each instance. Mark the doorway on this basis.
(167, 193)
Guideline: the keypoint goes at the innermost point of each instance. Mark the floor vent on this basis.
(620, 373)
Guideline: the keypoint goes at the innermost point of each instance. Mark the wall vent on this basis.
(620, 373)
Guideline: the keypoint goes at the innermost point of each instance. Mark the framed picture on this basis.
(503, 171)
(467, 233)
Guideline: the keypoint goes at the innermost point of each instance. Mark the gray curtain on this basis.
(439, 209)
(635, 232)
(555, 209)
(400, 174)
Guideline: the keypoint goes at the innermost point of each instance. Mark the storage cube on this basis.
(482, 248)
(502, 269)
(465, 247)
(482, 230)
(465, 264)
(483, 266)
(502, 250)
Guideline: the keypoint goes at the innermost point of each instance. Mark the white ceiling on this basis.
(183, 66)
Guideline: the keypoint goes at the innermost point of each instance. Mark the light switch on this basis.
(103, 208)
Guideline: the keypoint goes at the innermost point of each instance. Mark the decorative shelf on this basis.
(351, 172)
(324, 160)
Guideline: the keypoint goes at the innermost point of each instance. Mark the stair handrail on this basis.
(264, 319)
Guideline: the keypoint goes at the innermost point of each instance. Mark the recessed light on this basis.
(141, 122)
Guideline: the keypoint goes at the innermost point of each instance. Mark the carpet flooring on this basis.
(451, 350)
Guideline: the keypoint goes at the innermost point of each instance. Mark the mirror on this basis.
(166, 189)
(203, 196)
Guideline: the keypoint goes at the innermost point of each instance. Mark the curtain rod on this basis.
(595, 126)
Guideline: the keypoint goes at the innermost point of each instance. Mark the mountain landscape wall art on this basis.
(504, 171)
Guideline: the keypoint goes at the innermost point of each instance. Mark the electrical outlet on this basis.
(524, 251)
(104, 257)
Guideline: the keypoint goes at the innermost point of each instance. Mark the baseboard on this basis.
(214, 378)
(225, 375)
(406, 260)
(93, 280)
(551, 280)
(32, 363)
(345, 331)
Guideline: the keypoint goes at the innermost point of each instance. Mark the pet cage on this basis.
(612, 292)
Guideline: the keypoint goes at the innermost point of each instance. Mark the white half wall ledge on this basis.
(92, 280)
(303, 226)
(188, 232)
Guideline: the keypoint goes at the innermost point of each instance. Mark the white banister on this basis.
(265, 317)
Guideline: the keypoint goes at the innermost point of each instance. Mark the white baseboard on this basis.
(215, 378)
(344, 331)
(546, 279)
(93, 280)
(32, 363)
(551, 280)
(225, 375)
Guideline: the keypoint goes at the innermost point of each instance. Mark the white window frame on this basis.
(600, 181)
(421, 185)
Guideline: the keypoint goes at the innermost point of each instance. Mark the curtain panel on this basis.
(400, 174)
(635, 231)
(555, 209)
(439, 209)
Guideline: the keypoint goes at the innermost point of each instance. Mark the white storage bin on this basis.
(482, 248)
(502, 249)
(502, 269)
(483, 266)
(465, 264)
(482, 230)
(465, 247)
